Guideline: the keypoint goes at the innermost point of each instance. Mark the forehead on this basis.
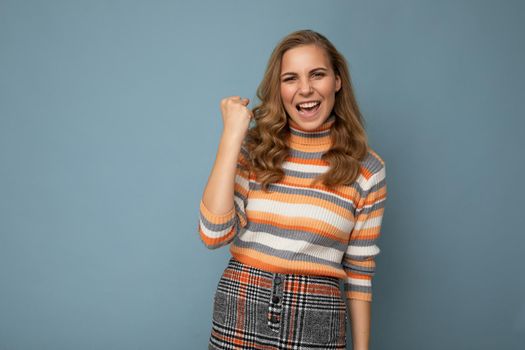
(304, 57)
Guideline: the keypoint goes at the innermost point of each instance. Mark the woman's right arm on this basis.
(222, 204)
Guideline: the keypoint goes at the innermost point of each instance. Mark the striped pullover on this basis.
(303, 228)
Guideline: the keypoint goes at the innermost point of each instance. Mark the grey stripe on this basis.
(245, 152)
(215, 246)
(311, 135)
(307, 192)
(315, 134)
(362, 242)
(358, 257)
(300, 174)
(372, 163)
(357, 288)
(304, 155)
(217, 227)
(292, 256)
(358, 269)
(240, 211)
(298, 235)
(255, 185)
(375, 206)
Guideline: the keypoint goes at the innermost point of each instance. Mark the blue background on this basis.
(109, 124)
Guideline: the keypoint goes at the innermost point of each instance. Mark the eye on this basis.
(318, 74)
(288, 78)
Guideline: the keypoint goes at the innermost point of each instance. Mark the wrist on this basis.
(232, 137)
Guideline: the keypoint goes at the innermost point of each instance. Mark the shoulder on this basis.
(372, 164)
(372, 171)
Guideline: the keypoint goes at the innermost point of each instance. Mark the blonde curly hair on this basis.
(266, 142)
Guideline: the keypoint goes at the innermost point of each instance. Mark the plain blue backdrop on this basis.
(109, 125)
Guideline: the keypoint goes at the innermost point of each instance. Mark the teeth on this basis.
(308, 104)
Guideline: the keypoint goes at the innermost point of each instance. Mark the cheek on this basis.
(329, 89)
(286, 94)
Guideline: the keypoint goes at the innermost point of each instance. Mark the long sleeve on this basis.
(359, 258)
(218, 230)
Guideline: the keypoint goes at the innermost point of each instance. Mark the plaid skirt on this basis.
(256, 309)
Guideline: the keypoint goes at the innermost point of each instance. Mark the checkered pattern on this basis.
(256, 309)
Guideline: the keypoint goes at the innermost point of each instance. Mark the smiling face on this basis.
(308, 85)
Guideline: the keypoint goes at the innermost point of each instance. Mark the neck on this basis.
(318, 138)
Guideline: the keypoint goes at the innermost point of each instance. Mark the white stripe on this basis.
(368, 223)
(359, 282)
(300, 210)
(371, 204)
(374, 179)
(305, 168)
(292, 245)
(370, 250)
(346, 200)
(242, 181)
(213, 234)
(239, 202)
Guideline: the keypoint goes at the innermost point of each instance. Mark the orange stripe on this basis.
(260, 282)
(241, 312)
(357, 235)
(376, 196)
(213, 241)
(216, 218)
(366, 264)
(358, 276)
(312, 161)
(296, 198)
(365, 172)
(359, 295)
(275, 264)
(320, 228)
(346, 192)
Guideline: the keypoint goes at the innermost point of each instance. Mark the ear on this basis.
(337, 83)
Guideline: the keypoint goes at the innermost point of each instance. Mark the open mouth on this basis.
(308, 107)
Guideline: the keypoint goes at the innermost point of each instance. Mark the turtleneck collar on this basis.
(318, 138)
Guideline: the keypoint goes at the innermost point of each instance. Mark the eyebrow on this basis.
(293, 73)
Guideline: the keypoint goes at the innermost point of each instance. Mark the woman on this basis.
(300, 198)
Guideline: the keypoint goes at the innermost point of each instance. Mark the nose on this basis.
(305, 87)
